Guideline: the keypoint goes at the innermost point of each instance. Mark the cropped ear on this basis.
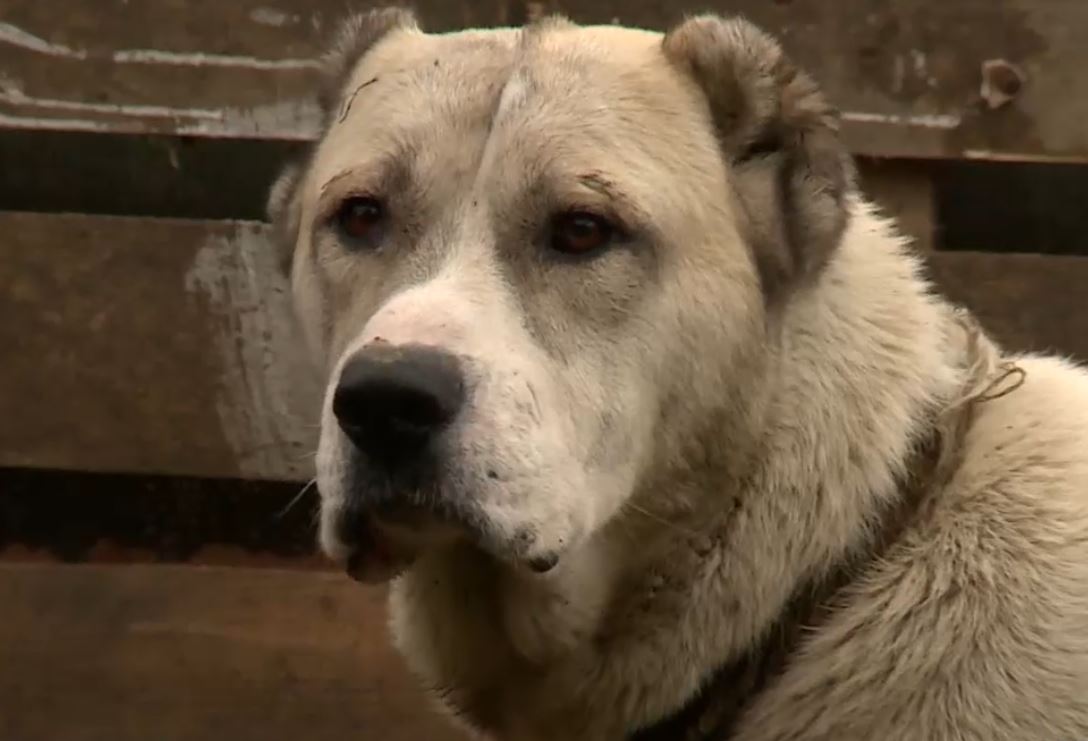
(355, 36)
(780, 139)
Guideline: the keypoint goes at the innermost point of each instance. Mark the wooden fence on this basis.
(156, 417)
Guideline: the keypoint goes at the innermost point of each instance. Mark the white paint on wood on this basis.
(289, 120)
(203, 59)
(918, 121)
(57, 124)
(995, 156)
(12, 94)
(11, 34)
(269, 396)
(273, 17)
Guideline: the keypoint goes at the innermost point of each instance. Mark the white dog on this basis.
(652, 422)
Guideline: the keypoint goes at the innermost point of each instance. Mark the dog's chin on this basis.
(375, 548)
(381, 549)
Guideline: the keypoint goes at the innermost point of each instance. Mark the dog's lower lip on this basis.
(375, 565)
(374, 558)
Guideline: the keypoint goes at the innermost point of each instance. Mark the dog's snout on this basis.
(392, 400)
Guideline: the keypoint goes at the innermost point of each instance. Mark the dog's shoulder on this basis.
(1040, 429)
(976, 622)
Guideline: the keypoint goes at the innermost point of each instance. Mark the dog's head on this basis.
(539, 266)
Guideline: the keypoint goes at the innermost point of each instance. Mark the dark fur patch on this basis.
(781, 140)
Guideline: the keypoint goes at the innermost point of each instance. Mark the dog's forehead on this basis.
(435, 86)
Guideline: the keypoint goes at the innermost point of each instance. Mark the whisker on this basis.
(297, 498)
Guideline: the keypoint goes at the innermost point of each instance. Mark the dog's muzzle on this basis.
(394, 403)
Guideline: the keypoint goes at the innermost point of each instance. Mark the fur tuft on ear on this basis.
(354, 38)
(780, 138)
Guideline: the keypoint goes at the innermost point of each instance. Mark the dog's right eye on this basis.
(580, 233)
(359, 218)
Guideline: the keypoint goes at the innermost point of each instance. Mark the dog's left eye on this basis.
(358, 218)
(580, 232)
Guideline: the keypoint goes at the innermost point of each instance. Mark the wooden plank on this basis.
(159, 346)
(1011, 207)
(904, 191)
(166, 346)
(1027, 302)
(908, 75)
(130, 653)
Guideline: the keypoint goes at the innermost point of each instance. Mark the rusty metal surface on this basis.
(158, 346)
(987, 79)
(131, 653)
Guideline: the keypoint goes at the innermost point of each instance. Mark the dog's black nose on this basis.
(392, 400)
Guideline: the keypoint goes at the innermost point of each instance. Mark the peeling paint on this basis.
(996, 156)
(920, 121)
(268, 389)
(10, 34)
(202, 59)
(273, 17)
(57, 124)
(918, 58)
(11, 93)
(288, 120)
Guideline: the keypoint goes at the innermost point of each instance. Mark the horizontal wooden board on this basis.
(159, 346)
(165, 346)
(904, 190)
(908, 75)
(131, 653)
(1027, 302)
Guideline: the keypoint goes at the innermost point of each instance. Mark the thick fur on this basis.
(694, 422)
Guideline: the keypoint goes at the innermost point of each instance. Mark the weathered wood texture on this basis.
(150, 346)
(160, 346)
(904, 190)
(131, 653)
(908, 75)
(1027, 302)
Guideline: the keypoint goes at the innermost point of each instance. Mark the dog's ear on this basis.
(780, 139)
(355, 36)
(284, 211)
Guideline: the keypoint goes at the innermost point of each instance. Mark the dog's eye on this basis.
(580, 232)
(358, 217)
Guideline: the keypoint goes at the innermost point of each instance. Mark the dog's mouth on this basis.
(380, 552)
(382, 545)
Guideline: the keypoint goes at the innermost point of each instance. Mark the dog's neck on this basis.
(623, 633)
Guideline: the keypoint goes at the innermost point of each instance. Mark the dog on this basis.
(652, 421)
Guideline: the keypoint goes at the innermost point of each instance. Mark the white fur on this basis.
(692, 455)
